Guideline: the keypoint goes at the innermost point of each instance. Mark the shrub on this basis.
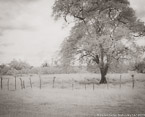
(139, 67)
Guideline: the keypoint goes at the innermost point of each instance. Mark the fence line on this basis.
(72, 85)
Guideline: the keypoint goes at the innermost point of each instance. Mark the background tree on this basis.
(104, 31)
(19, 65)
(45, 64)
(139, 67)
(4, 69)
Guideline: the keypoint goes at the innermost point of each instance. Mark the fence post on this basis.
(62, 84)
(1, 83)
(30, 82)
(23, 84)
(40, 81)
(85, 86)
(53, 81)
(8, 83)
(120, 81)
(107, 83)
(15, 83)
(93, 86)
(72, 86)
(133, 81)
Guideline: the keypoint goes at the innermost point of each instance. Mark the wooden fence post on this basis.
(93, 86)
(133, 81)
(30, 82)
(53, 81)
(15, 83)
(85, 86)
(1, 82)
(8, 83)
(40, 81)
(72, 84)
(21, 83)
(107, 83)
(62, 83)
(120, 81)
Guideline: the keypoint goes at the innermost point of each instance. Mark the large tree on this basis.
(104, 31)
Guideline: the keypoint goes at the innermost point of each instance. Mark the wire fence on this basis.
(20, 82)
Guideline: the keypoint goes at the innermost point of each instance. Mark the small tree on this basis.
(103, 31)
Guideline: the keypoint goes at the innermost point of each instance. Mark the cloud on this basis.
(6, 44)
(9, 11)
(1, 53)
(138, 6)
(20, 27)
(18, 0)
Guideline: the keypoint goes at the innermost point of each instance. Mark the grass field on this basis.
(66, 101)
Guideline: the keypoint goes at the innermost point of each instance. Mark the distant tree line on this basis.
(15, 67)
(21, 67)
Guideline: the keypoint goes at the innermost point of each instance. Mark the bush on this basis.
(139, 67)
(4, 69)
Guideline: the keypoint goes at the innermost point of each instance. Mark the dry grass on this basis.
(62, 101)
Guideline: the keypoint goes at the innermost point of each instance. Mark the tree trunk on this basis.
(103, 79)
(103, 71)
(102, 64)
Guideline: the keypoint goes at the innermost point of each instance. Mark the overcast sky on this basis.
(28, 32)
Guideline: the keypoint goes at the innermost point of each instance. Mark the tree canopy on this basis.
(103, 31)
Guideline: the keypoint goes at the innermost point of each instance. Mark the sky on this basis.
(29, 33)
